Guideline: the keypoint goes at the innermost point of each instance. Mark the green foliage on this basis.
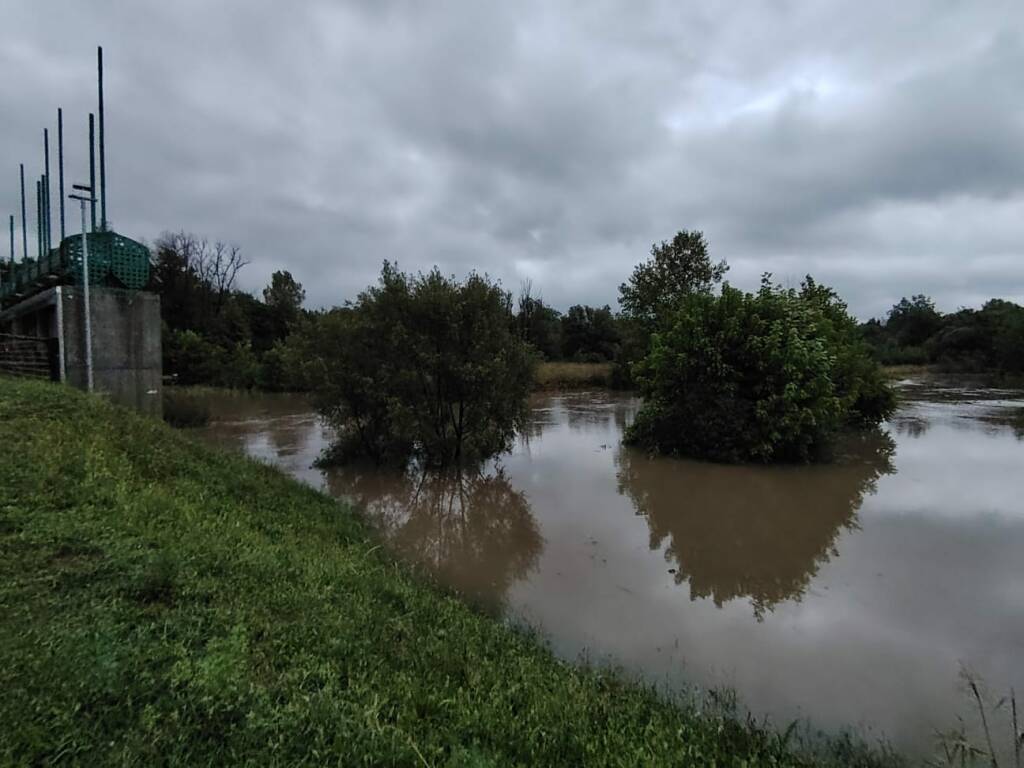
(655, 291)
(764, 377)
(283, 299)
(168, 604)
(990, 339)
(913, 321)
(422, 365)
(675, 270)
(539, 324)
(214, 334)
(589, 334)
(192, 359)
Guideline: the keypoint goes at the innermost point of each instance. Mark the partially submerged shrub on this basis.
(764, 377)
(182, 409)
(421, 365)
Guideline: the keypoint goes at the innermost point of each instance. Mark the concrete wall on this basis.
(126, 352)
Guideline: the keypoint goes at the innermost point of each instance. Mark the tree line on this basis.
(429, 367)
(989, 339)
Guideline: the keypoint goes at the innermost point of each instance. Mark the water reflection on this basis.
(752, 532)
(471, 528)
(573, 536)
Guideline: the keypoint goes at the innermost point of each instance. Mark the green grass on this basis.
(572, 375)
(163, 603)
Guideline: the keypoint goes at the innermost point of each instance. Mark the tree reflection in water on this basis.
(752, 532)
(471, 529)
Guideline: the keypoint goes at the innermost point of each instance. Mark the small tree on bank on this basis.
(764, 377)
(421, 366)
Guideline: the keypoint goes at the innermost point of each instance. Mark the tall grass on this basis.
(994, 740)
(573, 375)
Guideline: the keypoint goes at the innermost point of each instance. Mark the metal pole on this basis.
(60, 166)
(24, 226)
(92, 167)
(46, 184)
(85, 295)
(103, 153)
(46, 216)
(11, 273)
(39, 219)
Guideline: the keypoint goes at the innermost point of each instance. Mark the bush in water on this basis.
(763, 377)
(421, 365)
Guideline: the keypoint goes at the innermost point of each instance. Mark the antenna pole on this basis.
(103, 152)
(46, 187)
(39, 218)
(60, 166)
(85, 297)
(24, 226)
(92, 167)
(12, 242)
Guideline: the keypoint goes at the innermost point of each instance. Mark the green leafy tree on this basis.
(764, 377)
(539, 324)
(912, 321)
(654, 292)
(422, 366)
(283, 297)
(675, 270)
(589, 334)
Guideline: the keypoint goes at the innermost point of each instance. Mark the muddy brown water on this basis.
(849, 594)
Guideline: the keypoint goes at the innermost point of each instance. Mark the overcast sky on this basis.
(877, 145)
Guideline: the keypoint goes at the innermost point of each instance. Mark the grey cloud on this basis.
(877, 146)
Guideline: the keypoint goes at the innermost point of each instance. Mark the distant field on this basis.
(902, 371)
(573, 375)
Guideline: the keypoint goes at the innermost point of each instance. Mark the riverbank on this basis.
(169, 603)
(566, 375)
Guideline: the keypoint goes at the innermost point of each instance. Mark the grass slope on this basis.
(164, 603)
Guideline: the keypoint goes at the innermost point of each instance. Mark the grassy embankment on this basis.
(572, 375)
(165, 603)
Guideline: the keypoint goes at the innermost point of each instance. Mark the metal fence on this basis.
(29, 356)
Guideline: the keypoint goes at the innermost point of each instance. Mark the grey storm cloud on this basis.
(878, 146)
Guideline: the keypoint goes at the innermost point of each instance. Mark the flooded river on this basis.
(849, 594)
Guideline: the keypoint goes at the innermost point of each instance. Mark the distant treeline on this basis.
(218, 335)
(990, 339)
(213, 333)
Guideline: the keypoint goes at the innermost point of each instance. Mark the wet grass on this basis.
(555, 376)
(164, 603)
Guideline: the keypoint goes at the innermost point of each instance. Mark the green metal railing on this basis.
(114, 260)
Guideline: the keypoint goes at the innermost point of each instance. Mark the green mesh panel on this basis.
(114, 260)
(129, 262)
(99, 257)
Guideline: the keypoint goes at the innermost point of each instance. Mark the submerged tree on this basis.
(421, 366)
(763, 377)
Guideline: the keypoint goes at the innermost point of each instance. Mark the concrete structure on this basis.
(126, 352)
